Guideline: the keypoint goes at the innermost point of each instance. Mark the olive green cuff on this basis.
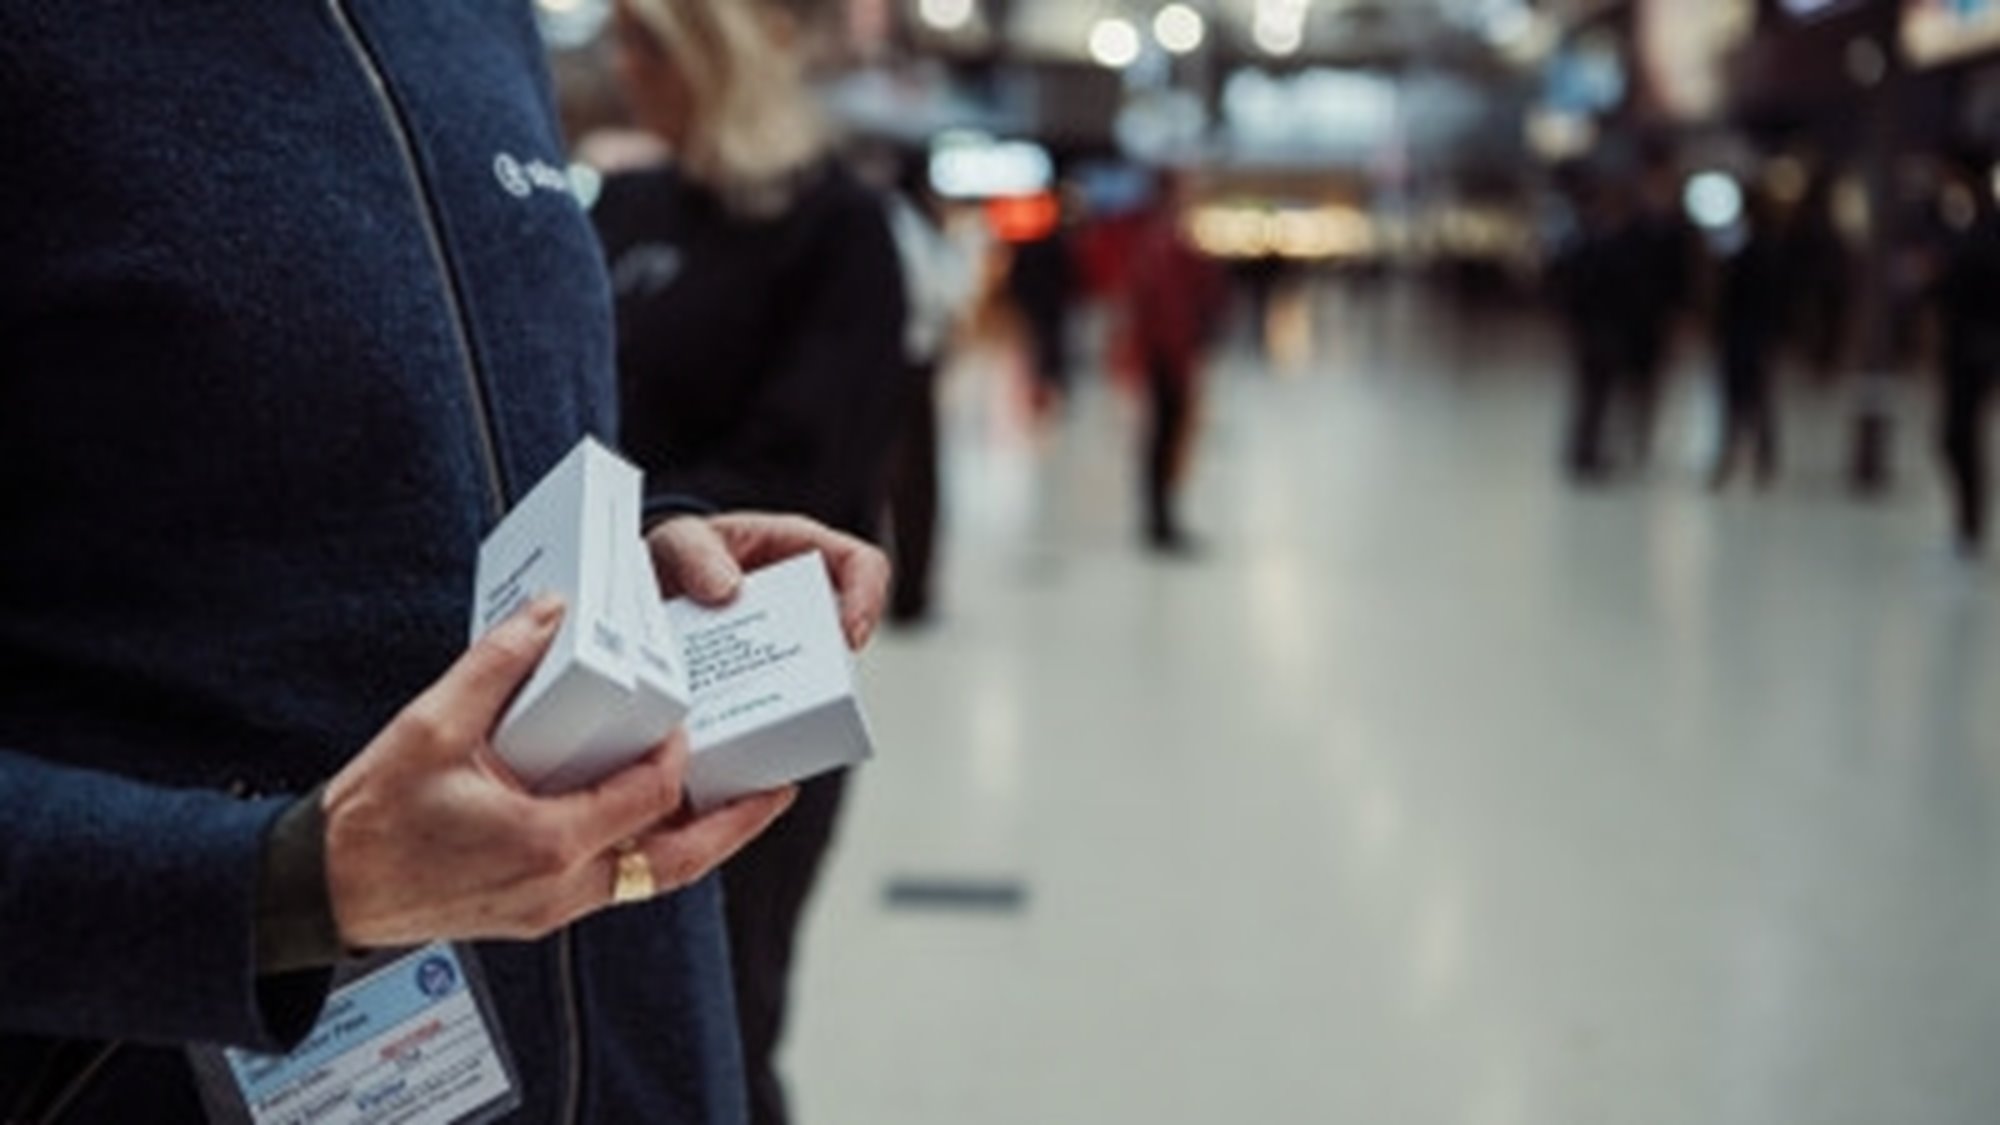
(294, 918)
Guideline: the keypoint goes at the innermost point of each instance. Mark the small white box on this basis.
(772, 683)
(567, 537)
(659, 699)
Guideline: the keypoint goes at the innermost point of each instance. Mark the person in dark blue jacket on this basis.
(294, 302)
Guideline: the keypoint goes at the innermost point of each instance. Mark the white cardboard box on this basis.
(659, 699)
(772, 683)
(567, 537)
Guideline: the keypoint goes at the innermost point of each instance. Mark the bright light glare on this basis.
(1306, 234)
(1179, 28)
(985, 169)
(946, 15)
(569, 24)
(1114, 43)
(1713, 201)
(1278, 35)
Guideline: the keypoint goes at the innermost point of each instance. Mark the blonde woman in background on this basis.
(760, 322)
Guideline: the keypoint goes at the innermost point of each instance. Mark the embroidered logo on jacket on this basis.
(520, 179)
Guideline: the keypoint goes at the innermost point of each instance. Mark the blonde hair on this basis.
(759, 125)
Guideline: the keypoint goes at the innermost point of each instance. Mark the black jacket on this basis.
(760, 359)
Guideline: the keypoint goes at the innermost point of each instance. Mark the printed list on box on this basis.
(772, 685)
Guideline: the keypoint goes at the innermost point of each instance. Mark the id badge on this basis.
(409, 1039)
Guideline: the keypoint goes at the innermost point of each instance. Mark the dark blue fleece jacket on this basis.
(292, 302)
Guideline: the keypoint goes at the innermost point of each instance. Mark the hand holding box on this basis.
(766, 682)
(604, 694)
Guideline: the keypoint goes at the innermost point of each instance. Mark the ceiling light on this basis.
(945, 15)
(1713, 201)
(1279, 36)
(1114, 43)
(1179, 28)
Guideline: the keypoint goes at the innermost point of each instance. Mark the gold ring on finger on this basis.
(632, 879)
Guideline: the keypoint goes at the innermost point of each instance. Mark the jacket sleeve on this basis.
(127, 911)
(818, 432)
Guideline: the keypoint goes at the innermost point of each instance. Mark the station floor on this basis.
(1436, 792)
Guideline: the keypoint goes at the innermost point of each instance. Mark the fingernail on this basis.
(545, 611)
(718, 578)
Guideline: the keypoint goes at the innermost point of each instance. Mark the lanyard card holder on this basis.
(406, 1038)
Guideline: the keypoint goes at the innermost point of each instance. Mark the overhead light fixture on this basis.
(1179, 28)
(571, 24)
(1114, 43)
(945, 15)
(1713, 201)
(1280, 26)
(1278, 37)
(972, 166)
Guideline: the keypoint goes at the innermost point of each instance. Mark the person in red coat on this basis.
(1175, 302)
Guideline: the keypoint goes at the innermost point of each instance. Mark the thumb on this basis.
(480, 683)
(695, 560)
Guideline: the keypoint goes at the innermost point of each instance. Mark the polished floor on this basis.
(1436, 792)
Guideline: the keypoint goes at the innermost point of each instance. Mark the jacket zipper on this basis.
(496, 486)
(572, 1026)
(392, 117)
(73, 1089)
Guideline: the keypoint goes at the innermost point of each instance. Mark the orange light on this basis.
(1023, 218)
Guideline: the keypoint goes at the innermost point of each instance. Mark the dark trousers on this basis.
(1641, 393)
(765, 887)
(1593, 375)
(1170, 397)
(1962, 441)
(913, 501)
(1749, 416)
(1049, 330)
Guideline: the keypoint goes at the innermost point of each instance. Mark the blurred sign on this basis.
(1940, 31)
(1025, 218)
(971, 166)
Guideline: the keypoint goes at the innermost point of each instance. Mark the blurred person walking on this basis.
(1650, 254)
(1590, 279)
(1041, 280)
(1175, 303)
(1968, 303)
(1750, 311)
(1817, 265)
(941, 274)
(760, 325)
